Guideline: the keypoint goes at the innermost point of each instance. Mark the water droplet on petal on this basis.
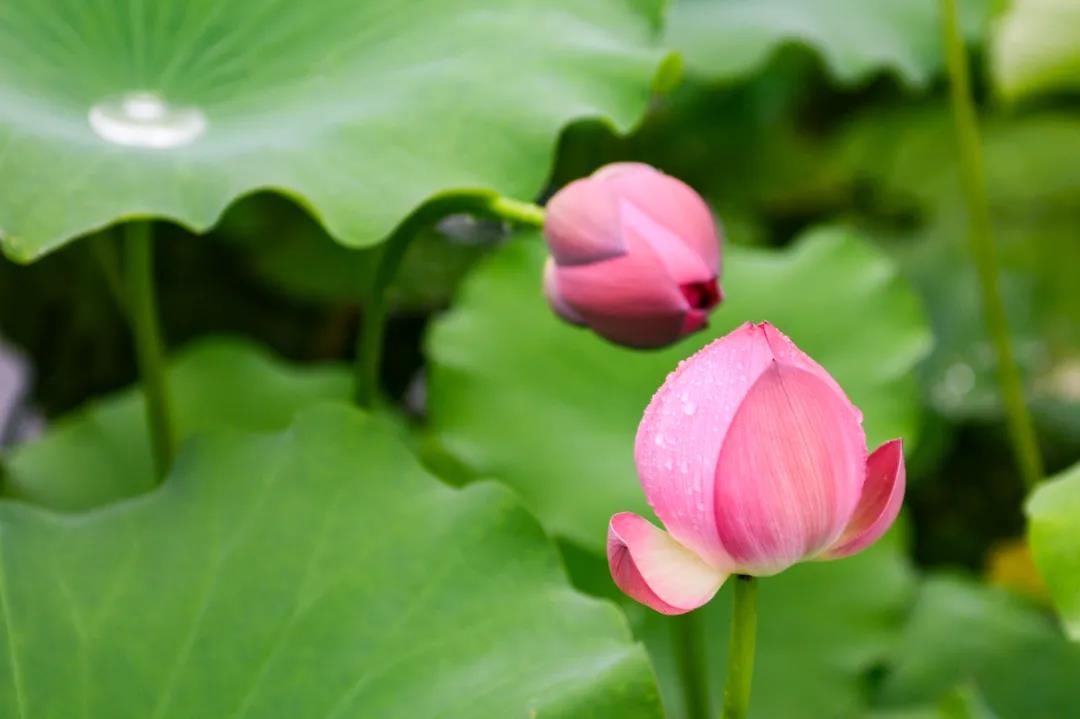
(689, 408)
(659, 440)
(145, 119)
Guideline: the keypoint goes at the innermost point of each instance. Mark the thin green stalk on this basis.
(388, 259)
(741, 655)
(149, 354)
(103, 247)
(520, 213)
(980, 236)
(689, 639)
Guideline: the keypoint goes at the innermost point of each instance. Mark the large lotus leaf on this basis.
(822, 628)
(216, 383)
(316, 572)
(552, 410)
(727, 39)
(1054, 530)
(361, 109)
(960, 632)
(1035, 48)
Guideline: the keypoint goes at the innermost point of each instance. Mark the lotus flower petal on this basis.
(582, 224)
(554, 295)
(679, 438)
(790, 470)
(630, 299)
(652, 568)
(671, 203)
(882, 495)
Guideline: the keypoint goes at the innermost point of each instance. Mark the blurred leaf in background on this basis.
(1054, 532)
(1035, 48)
(961, 633)
(727, 39)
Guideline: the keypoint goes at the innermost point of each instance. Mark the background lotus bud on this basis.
(754, 459)
(635, 255)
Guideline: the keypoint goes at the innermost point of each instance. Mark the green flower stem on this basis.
(741, 652)
(1021, 428)
(689, 639)
(369, 342)
(149, 354)
(520, 213)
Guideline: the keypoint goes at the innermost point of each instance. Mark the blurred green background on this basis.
(790, 116)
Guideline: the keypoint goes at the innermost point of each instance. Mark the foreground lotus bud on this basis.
(754, 459)
(635, 255)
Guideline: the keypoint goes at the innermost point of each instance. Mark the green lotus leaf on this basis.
(728, 39)
(1035, 48)
(963, 633)
(552, 410)
(315, 572)
(361, 110)
(215, 384)
(1054, 532)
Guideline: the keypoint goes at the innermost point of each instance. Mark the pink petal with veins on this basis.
(882, 495)
(790, 470)
(679, 438)
(652, 568)
(686, 424)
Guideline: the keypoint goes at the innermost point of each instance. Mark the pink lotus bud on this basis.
(635, 255)
(754, 459)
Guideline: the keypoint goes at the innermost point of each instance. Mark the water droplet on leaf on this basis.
(145, 119)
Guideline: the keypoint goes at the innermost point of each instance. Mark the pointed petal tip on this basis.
(651, 567)
(879, 505)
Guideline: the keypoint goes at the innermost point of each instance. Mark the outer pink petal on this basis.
(554, 296)
(581, 224)
(790, 471)
(671, 203)
(654, 569)
(679, 438)
(882, 495)
(683, 263)
(786, 352)
(629, 299)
